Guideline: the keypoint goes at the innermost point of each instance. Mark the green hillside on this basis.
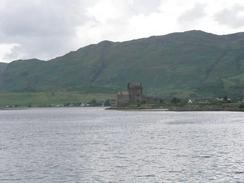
(192, 63)
(2, 67)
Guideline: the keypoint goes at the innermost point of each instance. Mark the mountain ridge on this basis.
(191, 63)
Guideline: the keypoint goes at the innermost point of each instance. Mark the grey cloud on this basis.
(145, 6)
(231, 17)
(47, 28)
(41, 47)
(192, 15)
(42, 28)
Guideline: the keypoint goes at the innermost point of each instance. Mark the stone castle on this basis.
(134, 94)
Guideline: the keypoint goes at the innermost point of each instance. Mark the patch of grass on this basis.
(41, 99)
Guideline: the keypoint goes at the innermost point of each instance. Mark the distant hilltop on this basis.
(186, 64)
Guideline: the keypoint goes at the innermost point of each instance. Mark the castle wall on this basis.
(122, 99)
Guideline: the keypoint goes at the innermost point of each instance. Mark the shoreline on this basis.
(174, 110)
(133, 109)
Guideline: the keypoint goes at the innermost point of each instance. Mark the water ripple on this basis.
(94, 145)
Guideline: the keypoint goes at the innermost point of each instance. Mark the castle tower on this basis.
(135, 91)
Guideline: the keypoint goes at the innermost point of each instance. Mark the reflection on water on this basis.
(94, 145)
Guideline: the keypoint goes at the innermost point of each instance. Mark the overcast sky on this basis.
(48, 28)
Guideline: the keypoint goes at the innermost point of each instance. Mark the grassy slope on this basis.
(3, 67)
(192, 63)
(49, 98)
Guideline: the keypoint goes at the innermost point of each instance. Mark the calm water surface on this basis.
(93, 145)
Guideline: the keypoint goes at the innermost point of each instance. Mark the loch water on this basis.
(93, 145)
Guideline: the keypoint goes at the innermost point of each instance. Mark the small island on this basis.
(134, 99)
